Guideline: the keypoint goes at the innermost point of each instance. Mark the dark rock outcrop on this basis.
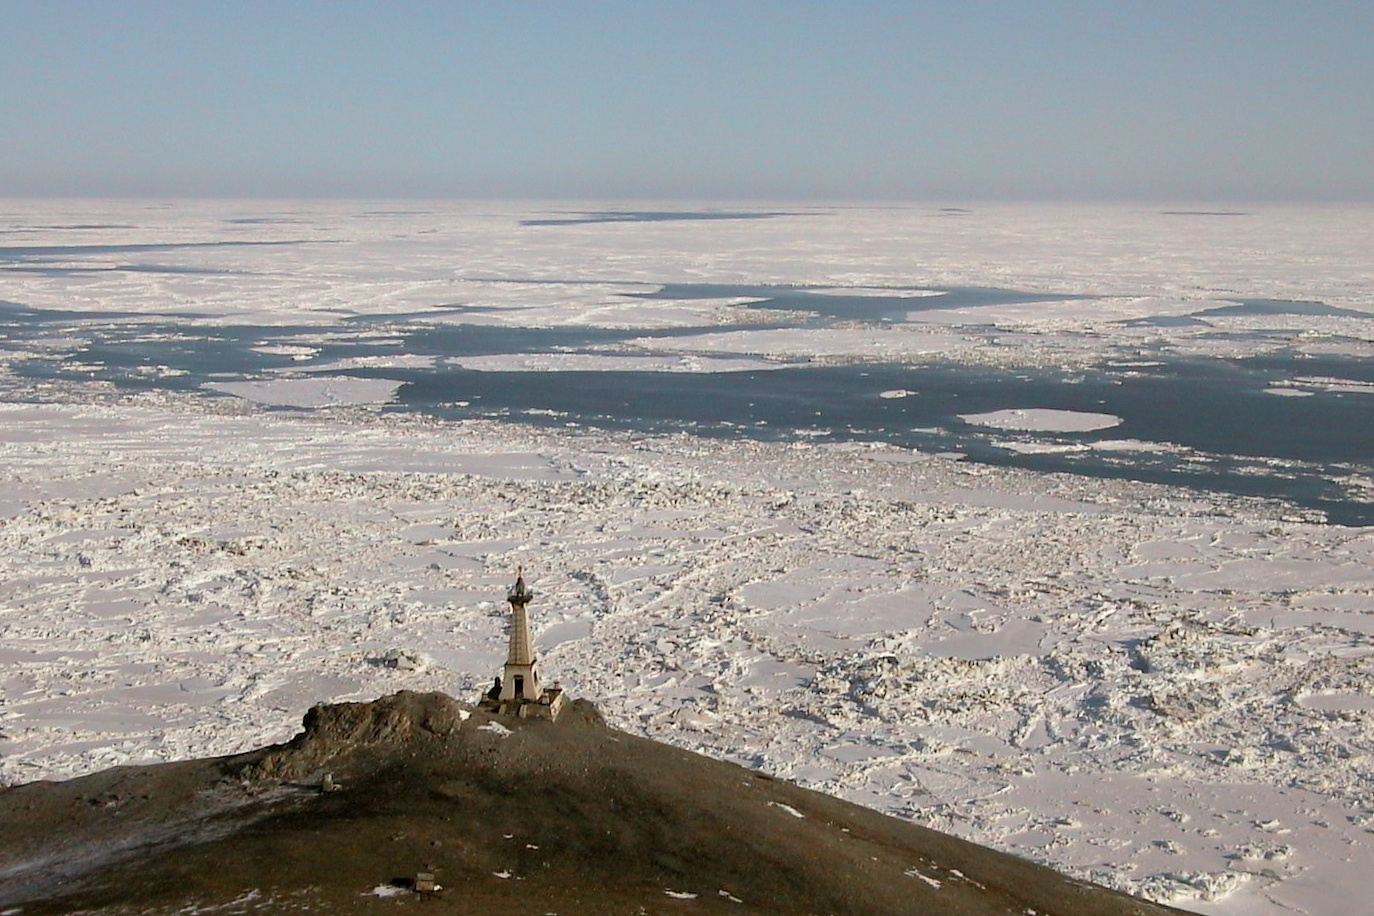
(511, 816)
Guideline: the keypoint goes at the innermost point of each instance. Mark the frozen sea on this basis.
(1230, 392)
(1039, 524)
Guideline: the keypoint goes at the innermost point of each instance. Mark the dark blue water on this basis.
(853, 308)
(1206, 406)
(1255, 307)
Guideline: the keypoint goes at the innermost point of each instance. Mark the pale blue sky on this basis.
(961, 99)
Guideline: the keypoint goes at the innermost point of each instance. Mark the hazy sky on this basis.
(865, 99)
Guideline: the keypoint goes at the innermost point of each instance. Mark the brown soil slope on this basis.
(513, 817)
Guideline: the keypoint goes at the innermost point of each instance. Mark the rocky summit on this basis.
(418, 800)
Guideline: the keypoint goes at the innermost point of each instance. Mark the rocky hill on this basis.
(509, 816)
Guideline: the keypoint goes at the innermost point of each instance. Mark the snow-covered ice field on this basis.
(219, 505)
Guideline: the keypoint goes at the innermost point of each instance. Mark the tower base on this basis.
(548, 706)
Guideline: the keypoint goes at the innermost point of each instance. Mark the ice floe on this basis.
(1043, 420)
(311, 392)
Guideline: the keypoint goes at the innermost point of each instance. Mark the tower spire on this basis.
(521, 650)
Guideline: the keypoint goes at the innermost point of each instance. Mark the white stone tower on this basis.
(519, 682)
(518, 691)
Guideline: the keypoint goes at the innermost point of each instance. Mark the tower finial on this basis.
(519, 593)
